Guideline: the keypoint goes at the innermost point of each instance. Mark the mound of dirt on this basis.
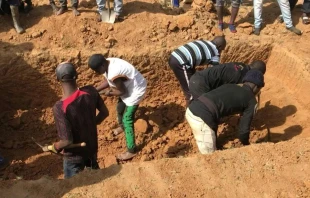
(268, 170)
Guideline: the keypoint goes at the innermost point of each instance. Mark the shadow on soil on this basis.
(269, 116)
(161, 120)
(25, 96)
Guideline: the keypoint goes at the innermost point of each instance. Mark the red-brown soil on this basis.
(149, 33)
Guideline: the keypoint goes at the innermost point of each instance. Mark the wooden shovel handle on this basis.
(82, 144)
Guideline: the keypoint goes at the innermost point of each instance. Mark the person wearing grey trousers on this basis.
(14, 4)
(286, 14)
(118, 8)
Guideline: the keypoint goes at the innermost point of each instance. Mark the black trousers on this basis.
(305, 5)
(197, 85)
(182, 74)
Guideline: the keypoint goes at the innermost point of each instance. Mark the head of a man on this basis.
(98, 63)
(259, 65)
(255, 80)
(66, 73)
(220, 43)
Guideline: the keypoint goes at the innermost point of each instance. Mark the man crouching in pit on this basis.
(76, 122)
(205, 112)
(124, 81)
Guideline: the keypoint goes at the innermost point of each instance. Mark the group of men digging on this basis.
(212, 93)
(216, 92)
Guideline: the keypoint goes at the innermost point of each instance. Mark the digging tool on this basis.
(82, 144)
(109, 15)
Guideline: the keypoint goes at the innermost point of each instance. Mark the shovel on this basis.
(108, 16)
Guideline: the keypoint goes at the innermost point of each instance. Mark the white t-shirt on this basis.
(135, 83)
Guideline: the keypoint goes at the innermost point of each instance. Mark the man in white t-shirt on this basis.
(125, 81)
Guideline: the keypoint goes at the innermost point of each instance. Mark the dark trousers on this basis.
(74, 165)
(197, 85)
(182, 74)
(305, 5)
(74, 3)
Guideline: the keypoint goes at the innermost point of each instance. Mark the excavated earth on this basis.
(276, 164)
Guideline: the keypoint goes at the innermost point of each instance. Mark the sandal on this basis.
(232, 28)
(305, 20)
(125, 156)
(117, 131)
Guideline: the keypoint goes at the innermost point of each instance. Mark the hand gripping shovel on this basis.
(108, 16)
(82, 144)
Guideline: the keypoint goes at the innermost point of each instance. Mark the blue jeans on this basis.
(74, 165)
(284, 7)
(118, 6)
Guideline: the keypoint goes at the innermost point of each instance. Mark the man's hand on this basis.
(49, 148)
(108, 93)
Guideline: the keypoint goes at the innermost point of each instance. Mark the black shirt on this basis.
(228, 99)
(75, 119)
(228, 73)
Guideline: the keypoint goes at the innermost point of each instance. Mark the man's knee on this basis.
(219, 3)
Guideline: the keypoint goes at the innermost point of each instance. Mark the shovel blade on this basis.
(108, 16)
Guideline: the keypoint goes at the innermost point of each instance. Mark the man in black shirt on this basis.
(227, 73)
(76, 121)
(204, 113)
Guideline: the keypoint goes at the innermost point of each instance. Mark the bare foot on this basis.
(75, 12)
(117, 131)
(125, 156)
(62, 10)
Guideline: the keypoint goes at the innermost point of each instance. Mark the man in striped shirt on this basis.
(184, 59)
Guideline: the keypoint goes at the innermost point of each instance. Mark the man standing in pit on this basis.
(204, 113)
(126, 82)
(76, 121)
(184, 59)
(228, 73)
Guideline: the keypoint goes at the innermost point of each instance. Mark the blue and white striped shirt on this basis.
(195, 52)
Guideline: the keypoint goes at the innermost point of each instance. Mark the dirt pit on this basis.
(168, 163)
(161, 131)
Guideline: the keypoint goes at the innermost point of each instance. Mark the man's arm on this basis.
(103, 110)
(63, 129)
(215, 60)
(245, 122)
(119, 90)
(102, 86)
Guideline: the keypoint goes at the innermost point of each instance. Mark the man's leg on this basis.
(101, 8)
(286, 13)
(120, 109)
(54, 7)
(220, 11)
(234, 12)
(118, 8)
(183, 75)
(75, 4)
(305, 11)
(128, 122)
(72, 166)
(257, 5)
(204, 135)
(63, 7)
(92, 162)
(15, 15)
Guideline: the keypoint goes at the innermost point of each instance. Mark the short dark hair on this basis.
(65, 71)
(259, 65)
(96, 60)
